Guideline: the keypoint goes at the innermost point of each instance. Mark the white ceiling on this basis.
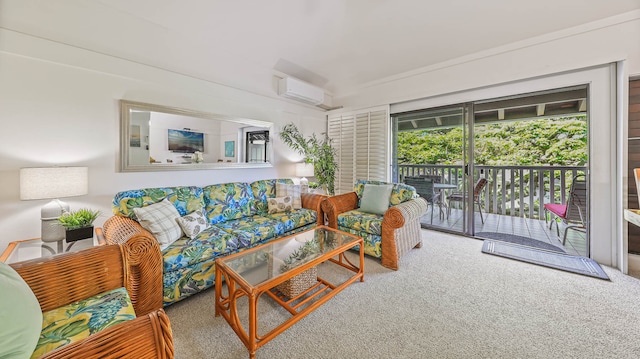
(337, 44)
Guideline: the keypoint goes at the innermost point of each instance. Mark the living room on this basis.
(64, 67)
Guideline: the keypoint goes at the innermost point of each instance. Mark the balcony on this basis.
(512, 202)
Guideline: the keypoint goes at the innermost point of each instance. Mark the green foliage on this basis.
(81, 218)
(555, 141)
(316, 151)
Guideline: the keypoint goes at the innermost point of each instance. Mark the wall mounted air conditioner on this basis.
(295, 89)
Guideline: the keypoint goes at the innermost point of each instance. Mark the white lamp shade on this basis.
(304, 169)
(53, 182)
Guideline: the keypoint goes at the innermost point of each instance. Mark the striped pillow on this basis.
(160, 219)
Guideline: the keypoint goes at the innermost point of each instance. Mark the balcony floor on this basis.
(532, 228)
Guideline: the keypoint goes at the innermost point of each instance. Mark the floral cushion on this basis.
(228, 201)
(361, 221)
(372, 242)
(399, 194)
(193, 223)
(280, 204)
(208, 244)
(264, 189)
(184, 282)
(77, 321)
(251, 230)
(185, 199)
(295, 219)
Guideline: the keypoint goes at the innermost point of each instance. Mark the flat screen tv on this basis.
(185, 141)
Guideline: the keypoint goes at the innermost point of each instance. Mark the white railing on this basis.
(519, 191)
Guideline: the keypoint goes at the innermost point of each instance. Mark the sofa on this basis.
(387, 235)
(95, 303)
(237, 217)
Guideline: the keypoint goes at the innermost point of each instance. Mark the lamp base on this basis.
(51, 230)
(304, 185)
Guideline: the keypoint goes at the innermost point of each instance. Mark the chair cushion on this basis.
(399, 194)
(20, 315)
(193, 223)
(375, 198)
(161, 220)
(293, 190)
(361, 221)
(558, 209)
(77, 321)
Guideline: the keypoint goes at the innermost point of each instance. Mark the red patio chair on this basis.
(573, 212)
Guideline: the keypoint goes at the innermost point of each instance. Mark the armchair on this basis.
(71, 277)
(387, 236)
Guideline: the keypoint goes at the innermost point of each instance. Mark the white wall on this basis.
(476, 77)
(59, 106)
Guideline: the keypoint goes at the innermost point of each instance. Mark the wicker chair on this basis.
(67, 278)
(400, 227)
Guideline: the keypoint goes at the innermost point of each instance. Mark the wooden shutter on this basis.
(361, 140)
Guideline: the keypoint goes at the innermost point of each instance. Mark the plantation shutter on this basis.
(361, 140)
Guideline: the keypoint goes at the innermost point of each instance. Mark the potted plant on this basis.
(78, 224)
(316, 151)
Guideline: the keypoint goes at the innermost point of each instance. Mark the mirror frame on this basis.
(125, 121)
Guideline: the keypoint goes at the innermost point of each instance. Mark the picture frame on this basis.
(229, 148)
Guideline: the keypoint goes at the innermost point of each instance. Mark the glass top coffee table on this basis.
(286, 270)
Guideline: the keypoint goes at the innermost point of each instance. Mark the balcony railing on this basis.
(519, 191)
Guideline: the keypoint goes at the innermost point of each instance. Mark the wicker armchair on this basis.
(67, 278)
(400, 228)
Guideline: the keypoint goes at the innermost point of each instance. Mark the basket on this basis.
(295, 286)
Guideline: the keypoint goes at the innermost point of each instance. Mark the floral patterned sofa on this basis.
(387, 236)
(237, 216)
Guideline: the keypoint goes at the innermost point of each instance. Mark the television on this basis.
(185, 141)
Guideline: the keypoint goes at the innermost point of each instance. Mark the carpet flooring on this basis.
(447, 300)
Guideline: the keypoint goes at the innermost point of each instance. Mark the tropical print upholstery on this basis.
(264, 189)
(361, 221)
(399, 194)
(228, 201)
(185, 199)
(238, 214)
(77, 321)
(294, 219)
(253, 229)
(372, 242)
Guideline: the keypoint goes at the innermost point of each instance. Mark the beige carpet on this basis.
(448, 300)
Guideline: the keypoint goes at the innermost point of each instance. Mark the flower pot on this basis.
(79, 233)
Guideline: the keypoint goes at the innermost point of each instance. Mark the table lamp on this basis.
(304, 170)
(54, 183)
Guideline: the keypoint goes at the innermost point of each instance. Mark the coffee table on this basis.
(260, 270)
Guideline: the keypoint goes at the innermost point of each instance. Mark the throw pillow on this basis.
(375, 198)
(293, 190)
(279, 204)
(160, 219)
(193, 223)
(20, 315)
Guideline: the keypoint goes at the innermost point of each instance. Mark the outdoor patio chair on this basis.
(462, 197)
(424, 188)
(573, 212)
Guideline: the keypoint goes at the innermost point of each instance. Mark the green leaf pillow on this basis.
(20, 315)
(375, 198)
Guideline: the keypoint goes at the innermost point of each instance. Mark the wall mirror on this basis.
(161, 138)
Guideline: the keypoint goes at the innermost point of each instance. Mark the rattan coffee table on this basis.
(272, 268)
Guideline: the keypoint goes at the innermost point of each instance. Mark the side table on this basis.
(25, 249)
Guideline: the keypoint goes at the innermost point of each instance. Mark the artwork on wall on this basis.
(134, 138)
(229, 148)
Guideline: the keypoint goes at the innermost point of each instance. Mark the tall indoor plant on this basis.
(316, 151)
